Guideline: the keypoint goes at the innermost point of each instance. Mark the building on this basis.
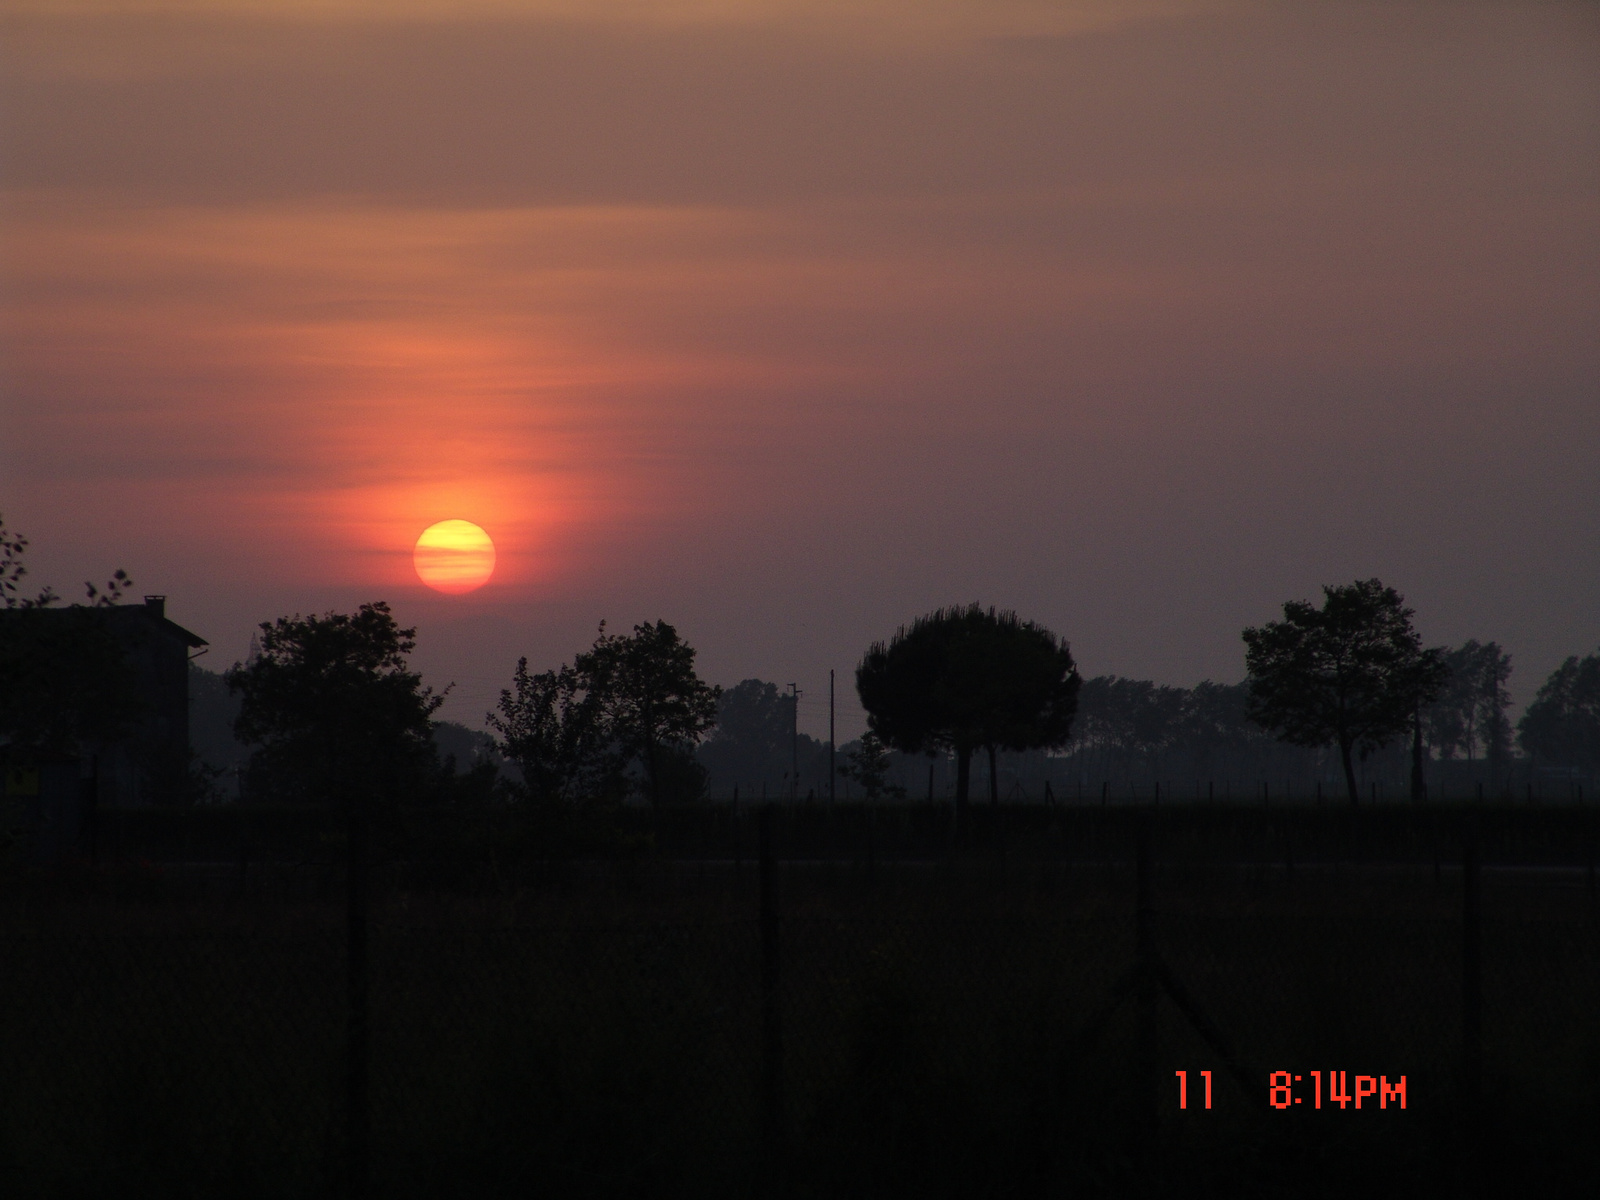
(54, 792)
(151, 766)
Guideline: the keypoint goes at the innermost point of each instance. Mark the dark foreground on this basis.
(960, 1024)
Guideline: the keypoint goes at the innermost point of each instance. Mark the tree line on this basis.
(630, 718)
(329, 706)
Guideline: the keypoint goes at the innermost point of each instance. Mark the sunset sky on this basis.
(788, 321)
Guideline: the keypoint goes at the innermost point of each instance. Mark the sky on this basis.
(787, 322)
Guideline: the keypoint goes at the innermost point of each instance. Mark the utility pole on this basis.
(794, 745)
(831, 772)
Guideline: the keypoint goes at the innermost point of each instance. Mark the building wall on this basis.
(151, 766)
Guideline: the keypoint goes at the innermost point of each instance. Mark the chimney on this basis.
(157, 605)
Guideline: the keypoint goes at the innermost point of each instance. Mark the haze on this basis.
(788, 322)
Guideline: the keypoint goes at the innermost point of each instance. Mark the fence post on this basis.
(771, 1015)
(1594, 837)
(738, 841)
(93, 806)
(872, 845)
(1146, 996)
(1432, 831)
(357, 1112)
(1471, 987)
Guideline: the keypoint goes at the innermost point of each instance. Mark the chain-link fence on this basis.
(948, 1027)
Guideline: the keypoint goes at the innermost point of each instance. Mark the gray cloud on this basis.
(487, 113)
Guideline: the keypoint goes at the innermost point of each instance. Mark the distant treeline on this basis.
(1132, 734)
(1128, 736)
(327, 710)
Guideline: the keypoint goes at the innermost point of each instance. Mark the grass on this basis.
(599, 1034)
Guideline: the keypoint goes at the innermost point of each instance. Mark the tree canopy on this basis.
(552, 725)
(1133, 731)
(963, 679)
(867, 765)
(1562, 725)
(757, 717)
(753, 742)
(335, 711)
(627, 702)
(1469, 713)
(657, 708)
(1352, 673)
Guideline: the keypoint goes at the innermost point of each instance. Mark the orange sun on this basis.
(454, 557)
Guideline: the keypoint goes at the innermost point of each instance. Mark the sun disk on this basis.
(454, 557)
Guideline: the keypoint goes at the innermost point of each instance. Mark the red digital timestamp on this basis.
(1281, 1093)
(1280, 1089)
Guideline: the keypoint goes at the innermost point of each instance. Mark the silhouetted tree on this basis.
(751, 743)
(574, 731)
(1562, 725)
(66, 679)
(1125, 721)
(968, 678)
(655, 707)
(462, 749)
(470, 775)
(1216, 725)
(1350, 674)
(867, 765)
(333, 708)
(1134, 731)
(1470, 709)
(632, 700)
(680, 777)
(553, 725)
(1450, 722)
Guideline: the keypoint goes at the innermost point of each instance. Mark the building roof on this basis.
(155, 607)
(152, 613)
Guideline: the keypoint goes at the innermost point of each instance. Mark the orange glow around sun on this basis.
(454, 557)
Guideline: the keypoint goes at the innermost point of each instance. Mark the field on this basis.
(944, 1021)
